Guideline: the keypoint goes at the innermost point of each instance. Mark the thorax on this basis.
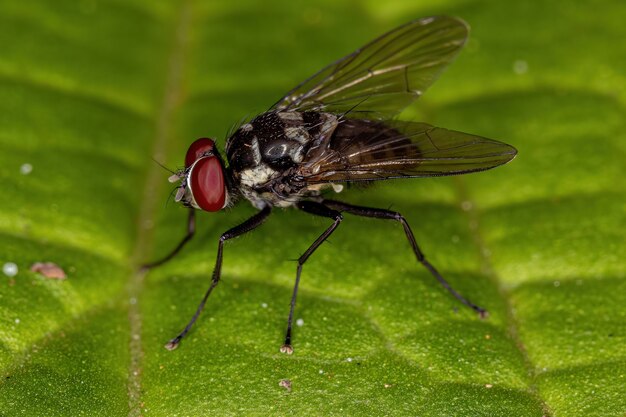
(264, 154)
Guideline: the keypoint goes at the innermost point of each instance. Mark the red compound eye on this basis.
(206, 183)
(198, 149)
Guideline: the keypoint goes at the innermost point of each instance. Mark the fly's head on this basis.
(202, 181)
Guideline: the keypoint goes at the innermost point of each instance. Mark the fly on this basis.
(335, 128)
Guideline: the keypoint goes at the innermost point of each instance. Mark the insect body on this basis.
(338, 127)
(268, 155)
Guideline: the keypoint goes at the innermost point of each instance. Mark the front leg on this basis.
(318, 209)
(250, 224)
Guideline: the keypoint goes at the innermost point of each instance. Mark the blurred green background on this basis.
(91, 90)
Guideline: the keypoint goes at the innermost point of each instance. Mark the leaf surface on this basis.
(91, 90)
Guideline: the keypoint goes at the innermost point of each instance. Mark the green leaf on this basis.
(91, 90)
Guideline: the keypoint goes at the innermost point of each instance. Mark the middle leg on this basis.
(318, 209)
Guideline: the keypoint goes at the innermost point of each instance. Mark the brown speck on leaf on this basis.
(49, 270)
(285, 383)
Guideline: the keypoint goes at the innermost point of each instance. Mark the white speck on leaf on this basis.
(520, 67)
(300, 322)
(26, 169)
(10, 269)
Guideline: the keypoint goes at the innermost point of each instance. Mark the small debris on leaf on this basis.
(285, 383)
(488, 385)
(48, 270)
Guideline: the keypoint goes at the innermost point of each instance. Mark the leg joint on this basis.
(399, 217)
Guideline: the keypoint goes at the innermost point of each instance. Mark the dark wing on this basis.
(364, 150)
(386, 75)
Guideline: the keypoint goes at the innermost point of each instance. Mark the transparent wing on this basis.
(363, 150)
(383, 77)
